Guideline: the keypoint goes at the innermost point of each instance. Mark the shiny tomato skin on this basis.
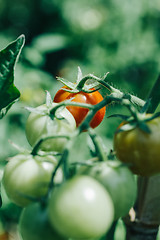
(27, 175)
(34, 224)
(80, 113)
(81, 208)
(139, 149)
(119, 182)
(42, 125)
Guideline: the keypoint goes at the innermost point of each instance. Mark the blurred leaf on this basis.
(8, 57)
(34, 56)
(50, 42)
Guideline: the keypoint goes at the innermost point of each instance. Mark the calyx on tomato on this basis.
(140, 149)
(84, 93)
(42, 123)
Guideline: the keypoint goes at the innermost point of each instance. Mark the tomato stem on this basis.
(69, 103)
(37, 145)
(98, 145)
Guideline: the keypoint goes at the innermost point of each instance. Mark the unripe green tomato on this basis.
(42, 125)
(34, 224)
(28, 176)
(81, 208)
(118, 181)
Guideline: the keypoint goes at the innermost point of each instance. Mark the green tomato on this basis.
(81, 208)
(34, 224)
(118, 181)
(28, 176)
(139, 149)
(42, 125)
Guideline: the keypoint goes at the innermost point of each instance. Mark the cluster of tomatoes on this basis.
(85, 205)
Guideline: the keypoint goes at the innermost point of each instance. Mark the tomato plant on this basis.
(140, 149)
(34, 224)
(27, 177)
(40, 124)
(80, 113)
(81, 208)
(118, 181)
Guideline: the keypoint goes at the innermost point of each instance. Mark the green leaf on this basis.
(8, 57)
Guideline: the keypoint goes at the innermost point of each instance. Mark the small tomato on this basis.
(42, 125)
(81, 208)
(141, 150)
(28, 176)
(79, 113)
(118, 181)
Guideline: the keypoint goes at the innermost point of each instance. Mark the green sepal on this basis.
(123, 117)
(127, 127)
(144, 127)
(82, 83)
(146, 106)
(67, 83)
(49, 99)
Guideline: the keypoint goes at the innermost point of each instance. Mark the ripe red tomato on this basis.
(80, 113)
(139, 149)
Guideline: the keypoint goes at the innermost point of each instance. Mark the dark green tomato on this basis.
(34, 224)
(139, 149)
(118, 181)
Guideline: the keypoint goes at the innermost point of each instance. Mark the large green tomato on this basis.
(118, 181)
(42, 125)
(81, 208)
(34, 224)
(28, 176)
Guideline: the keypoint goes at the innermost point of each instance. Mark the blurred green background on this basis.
(117, 36)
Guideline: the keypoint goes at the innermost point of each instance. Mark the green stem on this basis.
(98, 145)
(37, 145)
(69, 103)
(120, 94)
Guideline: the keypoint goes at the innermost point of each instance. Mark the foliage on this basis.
(117, 36)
